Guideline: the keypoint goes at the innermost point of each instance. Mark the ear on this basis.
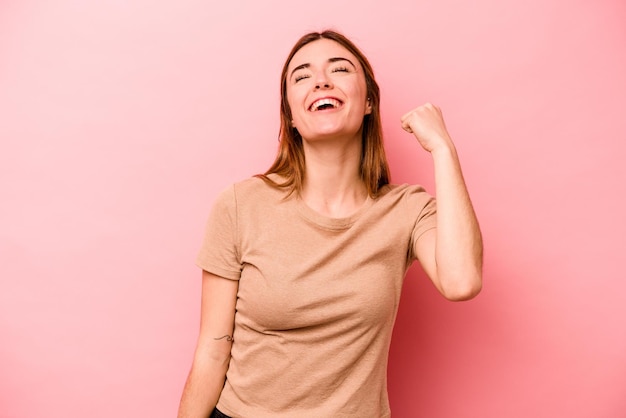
(368, 106)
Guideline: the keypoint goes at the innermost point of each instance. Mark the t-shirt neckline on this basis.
(327, 222)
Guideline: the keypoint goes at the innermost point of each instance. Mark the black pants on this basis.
(217, 414)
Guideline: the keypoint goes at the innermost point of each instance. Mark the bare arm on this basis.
(451, 255)
(208, 371)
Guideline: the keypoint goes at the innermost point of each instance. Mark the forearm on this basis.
(204, 385)
(458, 250)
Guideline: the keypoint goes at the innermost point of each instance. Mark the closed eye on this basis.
(300, 77)
(340, 69)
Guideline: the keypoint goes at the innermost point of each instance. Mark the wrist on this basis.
(445, 150)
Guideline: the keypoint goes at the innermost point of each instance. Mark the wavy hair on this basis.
(290, 161)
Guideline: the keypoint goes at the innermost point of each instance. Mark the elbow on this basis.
(215, 354)
(465, 288)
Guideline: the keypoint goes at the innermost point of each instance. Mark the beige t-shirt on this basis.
(317, 298)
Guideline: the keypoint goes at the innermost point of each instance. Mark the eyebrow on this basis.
(330, 60)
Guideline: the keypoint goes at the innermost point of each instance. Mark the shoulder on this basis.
(255, 188)
(407, 200)
(249, 193)
(404, 191)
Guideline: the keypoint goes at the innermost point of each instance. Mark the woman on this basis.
(303, 266)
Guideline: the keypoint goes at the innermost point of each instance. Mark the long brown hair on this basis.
(290, 162)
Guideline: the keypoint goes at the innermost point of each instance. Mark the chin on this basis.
(326, 134)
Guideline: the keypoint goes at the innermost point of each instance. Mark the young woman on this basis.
(303, 266)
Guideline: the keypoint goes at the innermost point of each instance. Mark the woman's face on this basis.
(326, 91)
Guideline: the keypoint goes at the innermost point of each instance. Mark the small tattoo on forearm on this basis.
(228, 338)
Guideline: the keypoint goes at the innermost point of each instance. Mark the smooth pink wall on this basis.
(120, 121)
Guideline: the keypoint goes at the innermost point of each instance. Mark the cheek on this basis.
(292, 102)
(357, 91)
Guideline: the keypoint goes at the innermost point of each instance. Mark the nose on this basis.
(322, 82)
(319, 86)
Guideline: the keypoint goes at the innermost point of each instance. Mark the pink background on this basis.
(121, 120)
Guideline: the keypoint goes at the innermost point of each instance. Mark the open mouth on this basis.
(325, 104)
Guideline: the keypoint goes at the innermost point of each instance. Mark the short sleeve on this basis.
(426, 220)
(219, 253)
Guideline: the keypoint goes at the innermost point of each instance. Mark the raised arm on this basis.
(451, 255)
(208, 371)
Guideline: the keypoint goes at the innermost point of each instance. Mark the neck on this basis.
(332, 184)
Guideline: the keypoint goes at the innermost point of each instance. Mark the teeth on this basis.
(316, 105)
